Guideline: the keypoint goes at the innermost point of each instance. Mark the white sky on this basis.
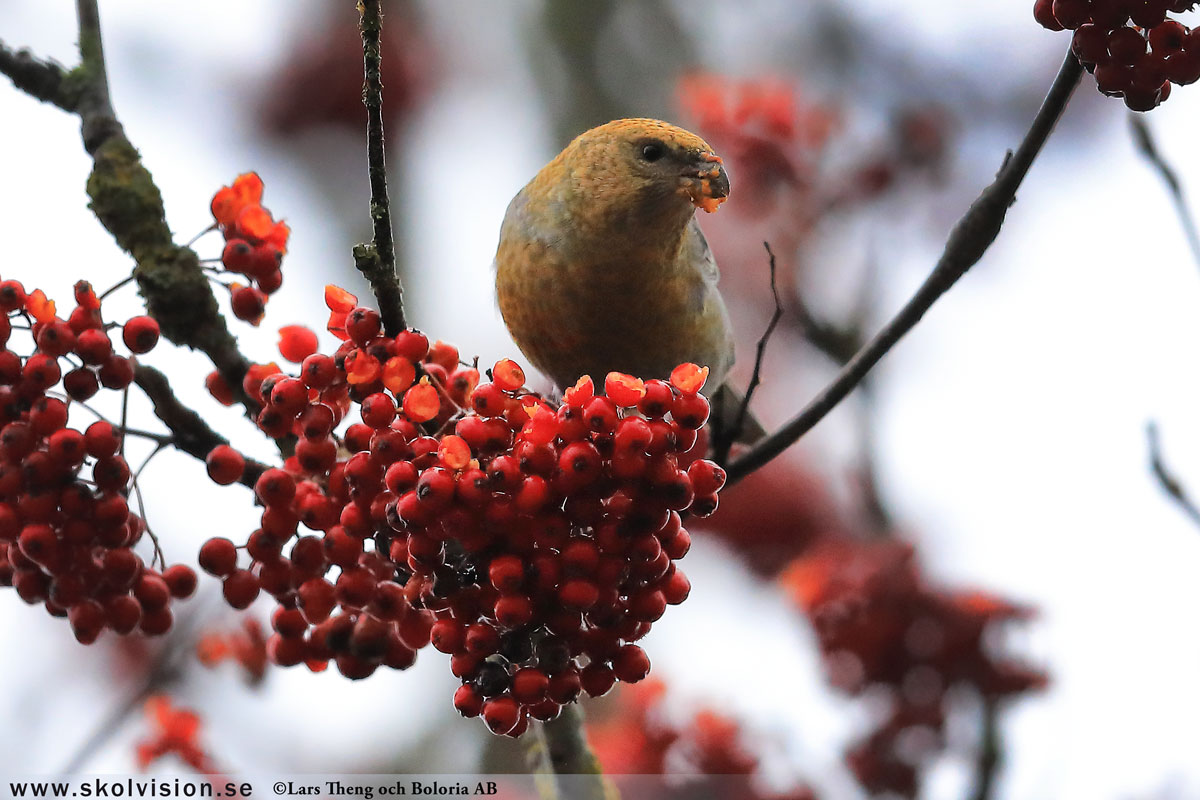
(1012, 433)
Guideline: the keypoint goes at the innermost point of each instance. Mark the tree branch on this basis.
(189, 432)
(127, 202)
(990, 756)
(377, 260)
(1166, 478)
(44, 80)
(1144, 139)
(560, 755)
(967, 243)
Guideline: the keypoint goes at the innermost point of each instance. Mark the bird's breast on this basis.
(576, 311)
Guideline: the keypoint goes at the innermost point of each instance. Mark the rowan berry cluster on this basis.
(254, 244)
(1133, 48)
(534, 543)
(881, 626)
(66, 530)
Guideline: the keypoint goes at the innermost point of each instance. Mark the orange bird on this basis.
(601, 265)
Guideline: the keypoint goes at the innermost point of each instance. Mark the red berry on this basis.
(218, 388)
(1168, 38)
(631, 664)
(1043, 12)
(87, 621)
(275, 487)
(55, 339)
(225, 465)
(1071, 13)
(529, 685)
(116, 372)
(218, 557)
(81, 384)
(240, 588)
(1126, 46)
(596, 679)
(140, 334)
(513, 610)
(181, 580)
(501, 714)
(578, 595)
(248, 304)
(468, 701)
(1090, 44)
(363, 325)
(151, 591)
(378, 410)
(506, 573)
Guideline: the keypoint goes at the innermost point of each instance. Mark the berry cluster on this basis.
(637, 735)
(1133, 48)
(532, 543)
(254, 244)
(67, 538)
(882, 627)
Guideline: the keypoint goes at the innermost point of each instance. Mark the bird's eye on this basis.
(653, 151)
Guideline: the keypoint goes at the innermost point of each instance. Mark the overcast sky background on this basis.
(1012, 419)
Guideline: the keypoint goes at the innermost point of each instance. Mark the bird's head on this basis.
(644, 170)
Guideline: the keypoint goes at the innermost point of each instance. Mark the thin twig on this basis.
(1166, 478)
(191, 433)
(990, 756)
(1146, 145)
(114, 287)
(970, 239)
(168, 665)
(721, 448)
(141, 501)
(377, 261)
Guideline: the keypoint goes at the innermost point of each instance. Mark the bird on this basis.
(601, 266)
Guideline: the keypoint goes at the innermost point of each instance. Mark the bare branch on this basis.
(127, 202)
(377, 261)
(190, 433)
(1167, 479)
(1144, 139)
(989, 757)
(967, 243)
(722, 446)
(95, 105)
(44, 80)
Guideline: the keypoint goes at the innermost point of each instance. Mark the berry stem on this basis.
(968, 241)
(377, 261)
(1143, 137)
(191, 433)
(1166, 478)
(559, 749)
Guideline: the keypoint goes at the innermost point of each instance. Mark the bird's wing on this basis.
(696, 252)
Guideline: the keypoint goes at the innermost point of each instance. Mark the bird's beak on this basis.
(706, 182)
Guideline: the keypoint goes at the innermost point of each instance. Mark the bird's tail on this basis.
(726, 406)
